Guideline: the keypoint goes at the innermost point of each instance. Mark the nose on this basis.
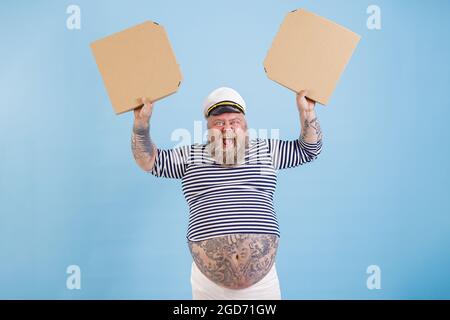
(227, 128)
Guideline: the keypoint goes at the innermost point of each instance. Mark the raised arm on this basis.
(310, 132)
(144, 150)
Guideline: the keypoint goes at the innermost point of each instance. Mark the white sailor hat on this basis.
(223, 100)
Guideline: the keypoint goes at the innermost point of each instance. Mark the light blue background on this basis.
(71, 193)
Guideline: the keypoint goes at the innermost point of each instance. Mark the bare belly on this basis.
(235, 261)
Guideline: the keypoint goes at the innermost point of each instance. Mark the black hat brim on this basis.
(223, 109)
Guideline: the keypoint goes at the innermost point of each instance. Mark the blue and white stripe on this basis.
(227, 200)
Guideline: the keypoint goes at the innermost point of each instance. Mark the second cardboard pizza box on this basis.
(310, 53)
(137, 62)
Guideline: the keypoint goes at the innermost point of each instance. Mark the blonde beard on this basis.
(231, 156)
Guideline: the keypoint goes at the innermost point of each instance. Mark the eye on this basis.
(218, 123)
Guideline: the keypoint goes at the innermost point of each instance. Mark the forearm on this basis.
(144, 150)
(310, 132)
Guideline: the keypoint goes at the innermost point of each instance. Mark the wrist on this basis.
(307, 115)
(141, 129)
(140, 126)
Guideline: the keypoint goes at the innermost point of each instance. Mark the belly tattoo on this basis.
(235, 261)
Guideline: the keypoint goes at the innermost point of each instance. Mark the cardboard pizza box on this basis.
(310, 53)
(137, 62)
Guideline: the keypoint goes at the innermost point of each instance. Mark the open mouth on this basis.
(228, 142)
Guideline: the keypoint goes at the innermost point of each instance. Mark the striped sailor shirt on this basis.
(239, 199)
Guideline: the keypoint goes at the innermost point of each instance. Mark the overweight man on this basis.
(229, 183)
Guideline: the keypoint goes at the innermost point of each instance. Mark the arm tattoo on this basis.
(141, 144)
(235, 261)
(312, 124)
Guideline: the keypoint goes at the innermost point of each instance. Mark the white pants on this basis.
(268, 288)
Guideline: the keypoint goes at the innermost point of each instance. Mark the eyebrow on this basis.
(235, 118)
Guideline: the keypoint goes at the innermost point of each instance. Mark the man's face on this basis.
(227, 134)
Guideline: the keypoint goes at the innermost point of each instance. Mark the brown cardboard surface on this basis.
(310, 52)
(137, 62)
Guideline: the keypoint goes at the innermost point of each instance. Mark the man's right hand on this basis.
(143, 114)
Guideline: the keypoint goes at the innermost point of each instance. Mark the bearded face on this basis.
(228, 139)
